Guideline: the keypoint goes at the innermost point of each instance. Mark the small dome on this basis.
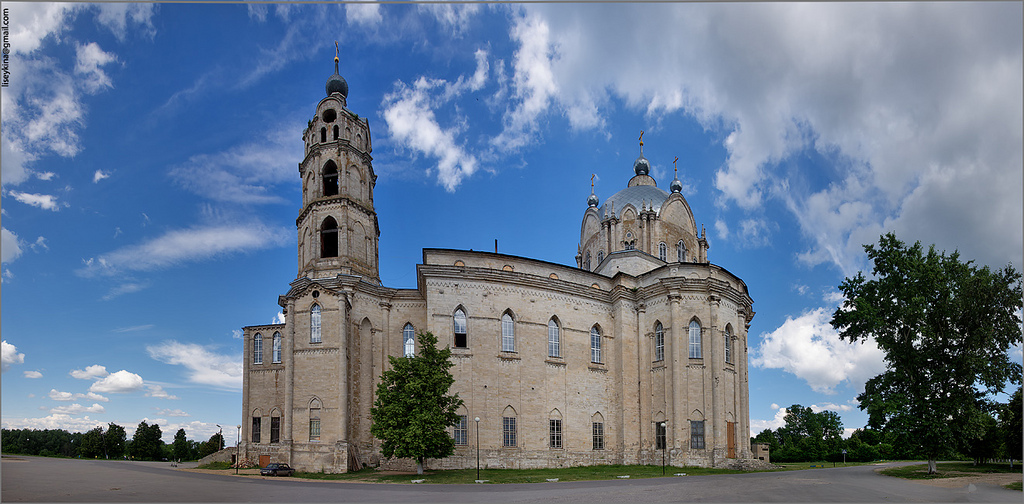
(676, 186)
(592, 200)
(641, 166)
(336, 83)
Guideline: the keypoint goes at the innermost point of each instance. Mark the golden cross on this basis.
(674, 169)
(641, 138)
(336, 50)
(592, 175)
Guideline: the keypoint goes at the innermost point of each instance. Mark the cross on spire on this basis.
(641, 142)
(592, 175)
(674, 168)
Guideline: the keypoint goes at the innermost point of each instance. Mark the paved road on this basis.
(38, 479)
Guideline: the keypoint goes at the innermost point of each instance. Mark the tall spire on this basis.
(641, 166)
(676, 186)
(336, 83)
(592, 199)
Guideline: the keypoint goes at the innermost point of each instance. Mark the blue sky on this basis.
(150, 151)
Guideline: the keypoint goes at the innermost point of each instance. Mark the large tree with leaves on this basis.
(945, 326)
(413, 410)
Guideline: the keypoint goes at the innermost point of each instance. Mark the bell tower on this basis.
(337, 227)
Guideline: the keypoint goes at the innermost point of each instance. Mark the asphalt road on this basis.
(37, 479)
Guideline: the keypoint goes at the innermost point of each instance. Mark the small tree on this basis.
(114, 440)
(945, 327)
(180, 445)
(413, 411)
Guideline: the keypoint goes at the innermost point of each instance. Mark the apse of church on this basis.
(636, 352)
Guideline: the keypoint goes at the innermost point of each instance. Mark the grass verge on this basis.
(216, 465)
(1015, 486)
(948, 470)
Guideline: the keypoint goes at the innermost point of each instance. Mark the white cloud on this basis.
(33, 374)
(831, 407)
(10, 356)
(54, 421)
(89, 60)
(57, 395)
(45, 175)
(237, 333)
(278, 319)
(257, 11)
(757, 425)
(363, 13)
(124, 288)
(77, 409)
(158, 392)
(99, 175)
(10, 246)
(118, 16)
(186, 245)
(44, 201)
(205, 366)
(40, 243)
(90, 372)
(810, 348)
(453, 16)
(172, 413)
(121, 382)
(534, 84)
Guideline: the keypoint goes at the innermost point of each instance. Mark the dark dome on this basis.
(336, 83)
(592, 200)
(641, 166)
(675, 186)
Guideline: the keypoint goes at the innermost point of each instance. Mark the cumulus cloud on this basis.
(278, 319)
(172, 413)
(810, 348)
(33, 374)
(54, 421)
(77, 409)
(204, 366)
(831, 407)
(185, 245)
(57, 395)
(99, 175)
(10, 356)
(757, 425)
(121, 382)
(454, 16)
(534, 84)
(90, 372)
(158, 392)
(363, 13)
(10, 246)
(44, 201)
(89, 60)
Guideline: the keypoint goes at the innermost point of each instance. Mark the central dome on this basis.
(336, 83)
(648, 195)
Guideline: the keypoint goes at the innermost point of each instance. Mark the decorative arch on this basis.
(696, 415)
(695, 339)
(554, 337)
(329, 238)
(508, 331)
(459, 327)
(555, 414)
(256, 412)
(408, 340)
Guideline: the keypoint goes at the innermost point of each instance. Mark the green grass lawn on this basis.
(1015, 486)
(949, 470)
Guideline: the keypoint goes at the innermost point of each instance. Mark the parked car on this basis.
(277, 470)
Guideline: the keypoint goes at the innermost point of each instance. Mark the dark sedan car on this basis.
(277, 470)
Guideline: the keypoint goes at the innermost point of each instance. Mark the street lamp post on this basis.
(664, 448)
(477, 419)
(238, 441)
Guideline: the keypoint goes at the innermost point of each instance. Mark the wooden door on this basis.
(730, 430)
(264, 460)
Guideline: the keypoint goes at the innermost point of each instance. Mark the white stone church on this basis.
(636, 352)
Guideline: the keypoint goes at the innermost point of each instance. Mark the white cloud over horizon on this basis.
(89, 373)
(121, 382)
(204, 365)
(9, 356)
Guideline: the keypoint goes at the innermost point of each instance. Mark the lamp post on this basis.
(477, 419)
(238, 441)
(664, 447)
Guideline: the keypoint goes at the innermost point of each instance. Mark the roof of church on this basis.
(637, 195)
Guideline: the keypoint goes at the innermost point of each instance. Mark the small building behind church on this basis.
(636, 352)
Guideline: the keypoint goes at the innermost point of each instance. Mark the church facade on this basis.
(636, 353)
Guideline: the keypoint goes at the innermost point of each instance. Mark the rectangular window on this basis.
(697, 434)
(659, 436)
(598, 435)
(256, 424)
(314, 429)
(275, 429)
(555, 433)
(508, 428)
(461, 434)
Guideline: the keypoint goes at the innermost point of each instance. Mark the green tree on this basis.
(989, 444)
(146, 443)
(413, 411)
(945, 327)
(213, 445)
(92, 443)
(180, 446)
(1010, 424)
(114, 440)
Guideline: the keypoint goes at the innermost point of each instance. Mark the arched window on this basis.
(728, 344)
(335, 131)
(597, 425)
(314, 417)
(329, 238)
(631, 245)
(323, 135)
(586, 262)
(600, 256)
(508, 333)
(695, 352)
(330, 179)
(277, 347)
(663, 251)
(508, 427)
(314, 324)
(459, 329)
(554, 339)
(659, 342)
(681, 251)
(409, 340)
(257, 349)
(555, 430)
(595, 345)
(275, 426)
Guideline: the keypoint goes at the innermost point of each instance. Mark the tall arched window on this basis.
(277, 347)
(681, 251)
(329, 238)
(314, 324)
(330, 174)
(460, 328)
(695, 352)
(600, 256)
(659, 342)
(554, 339)
(663, 251)
(323, 135)
(335, 131)
(728, 344)
(508, 333)
(595, 345)
(314, 417)
(257, 349)
(409, 340)
(586, 262)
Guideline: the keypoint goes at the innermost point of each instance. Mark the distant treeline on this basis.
(108, 443)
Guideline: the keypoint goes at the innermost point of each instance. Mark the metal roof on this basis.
(642, 194)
